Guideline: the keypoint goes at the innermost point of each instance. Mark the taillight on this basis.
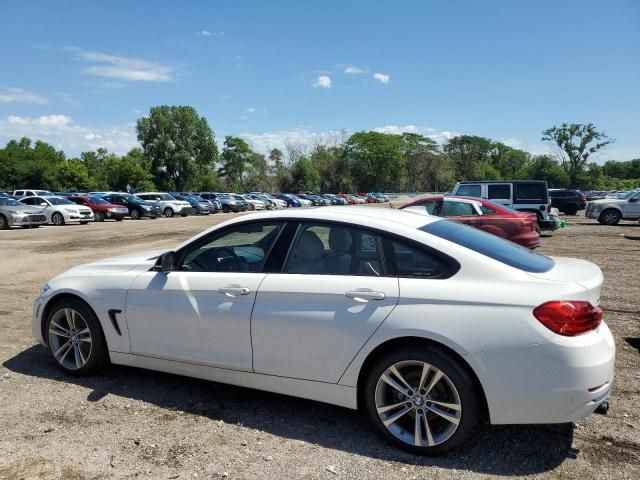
(569, 318)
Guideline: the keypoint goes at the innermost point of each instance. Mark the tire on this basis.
(57, 218)
(196, 211)
(168, 212)
(251, 206)
(99, 217)
(83, 223)
(119, 219)
(4, 224)
(455, 387)
(609, 217)
(571, 209)
(135, 214)
(226, 209)
(71, 322)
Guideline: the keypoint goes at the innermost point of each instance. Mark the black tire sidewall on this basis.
(168, 212)
(99, 217)
(4, 223)
(55, 215)
(99, 356)
(609, 211)
(463, 381)
(135, 214)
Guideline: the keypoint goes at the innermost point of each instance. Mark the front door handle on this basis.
(234, 290)
(364, 295)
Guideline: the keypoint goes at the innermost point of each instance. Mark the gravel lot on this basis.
(129, 423)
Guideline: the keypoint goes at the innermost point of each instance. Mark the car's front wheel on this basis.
(135, 214)
(609, 217)
(75, 338)
(57, 218)
(99, 217)
(423, 400)
(168, 212)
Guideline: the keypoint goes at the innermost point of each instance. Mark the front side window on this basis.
(469, 190)
(457, 209)
(333, 249)
(243, 248)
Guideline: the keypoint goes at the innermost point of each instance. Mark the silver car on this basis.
(13, 212)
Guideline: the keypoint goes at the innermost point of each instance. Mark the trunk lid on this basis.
(574, 270)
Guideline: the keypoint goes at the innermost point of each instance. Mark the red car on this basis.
(350, 200)
(519, 227)
(102, 210)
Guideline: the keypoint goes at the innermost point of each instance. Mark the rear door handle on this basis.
(364, 295)
(234, 290)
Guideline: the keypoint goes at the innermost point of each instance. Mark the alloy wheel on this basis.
(135, 214)
(417, 403)
(70, 339)
(57, 219)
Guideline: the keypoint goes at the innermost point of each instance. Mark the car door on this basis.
(633, 207)
(312, 318)
(201, 312)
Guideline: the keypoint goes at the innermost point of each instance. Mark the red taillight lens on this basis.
(569, 318)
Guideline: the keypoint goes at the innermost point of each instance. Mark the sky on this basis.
(78, 74)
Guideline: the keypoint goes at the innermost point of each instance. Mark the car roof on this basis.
(501, 181)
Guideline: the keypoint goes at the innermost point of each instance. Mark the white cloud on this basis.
(264, 142)
(250, 109)
(323, 81)
(353, 70)
(207, 33)
(381, 77)
(125, 68)
(19, 95)
(63, 133)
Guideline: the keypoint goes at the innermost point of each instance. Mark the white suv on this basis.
(609, 211)
(169, 205)
(32, 193)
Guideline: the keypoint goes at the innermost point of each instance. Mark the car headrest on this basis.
(309, 248)
(340, 240)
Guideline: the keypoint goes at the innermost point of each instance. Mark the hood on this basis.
(26, 209)
(575, 270)
(135, 261)
(604, 201)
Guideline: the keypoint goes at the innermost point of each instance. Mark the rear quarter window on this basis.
(490, 246)
(469, 190)
(530, 193)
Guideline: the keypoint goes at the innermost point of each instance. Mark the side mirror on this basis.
(165, 262)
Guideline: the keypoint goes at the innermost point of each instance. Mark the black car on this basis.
(138, 208)
(567, 201)
(227, 203)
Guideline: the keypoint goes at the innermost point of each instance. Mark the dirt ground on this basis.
(130, 423)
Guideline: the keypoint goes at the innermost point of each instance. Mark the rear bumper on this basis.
(528, 240)
(559, 381)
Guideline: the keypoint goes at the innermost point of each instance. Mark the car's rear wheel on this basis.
(57, 218)
(422, 400)
(609, 217)
(75, 338)
(135, 214)
(168, 212)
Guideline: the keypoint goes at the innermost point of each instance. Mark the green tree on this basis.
(420, 153)
(375, 160)
(468, 154)
(304, 176)
(128, 170)
(237, 158)
(574, 143)
(176, 141)
(544, 167)
(73, 175)
(507, 161)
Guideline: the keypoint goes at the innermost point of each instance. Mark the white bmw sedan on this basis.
(429, 326)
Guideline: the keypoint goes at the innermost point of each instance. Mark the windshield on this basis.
(166, 196)
(59, 201)
(490, 245)
(133, 199)
(10, 202)
(98, 201)
(626, 196)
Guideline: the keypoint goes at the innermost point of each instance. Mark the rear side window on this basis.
(406, 260)
(501, 192)
(531, 192)
(469, 190)
(491, 246)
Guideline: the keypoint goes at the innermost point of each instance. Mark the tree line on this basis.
(178, 152)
